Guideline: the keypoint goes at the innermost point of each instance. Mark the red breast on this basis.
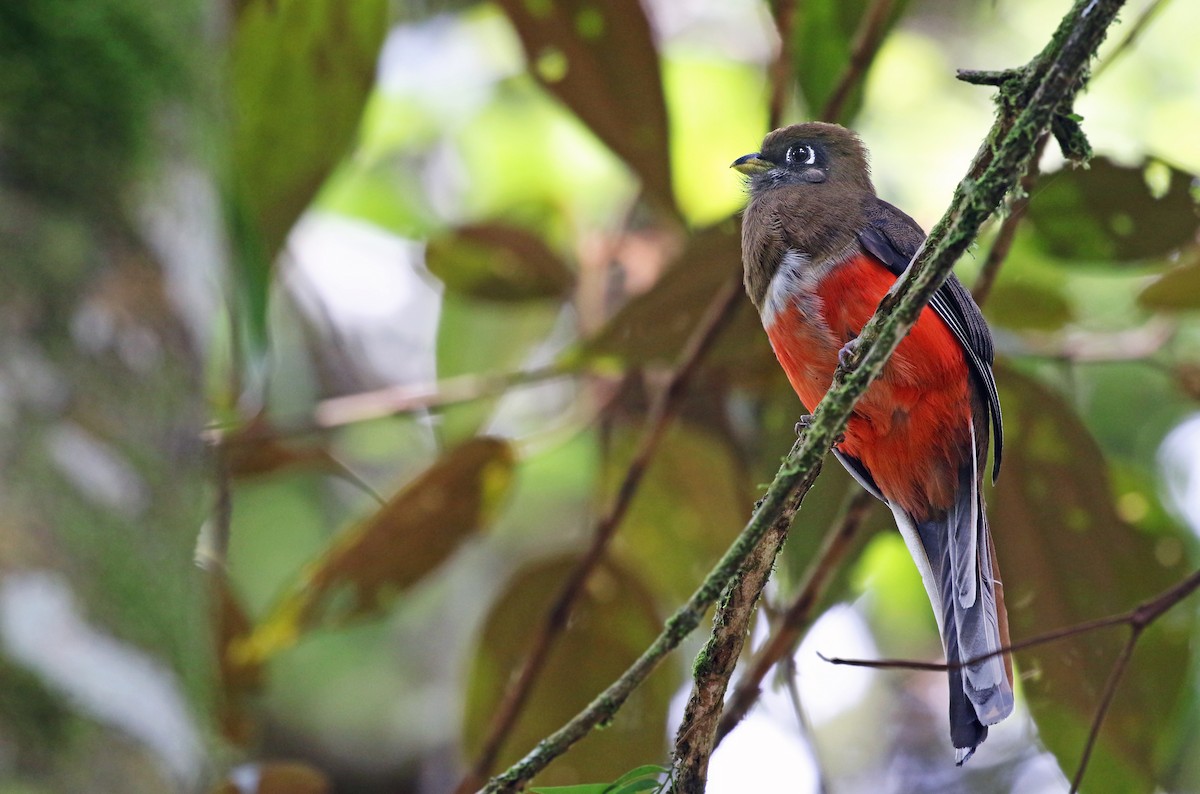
(908, 429)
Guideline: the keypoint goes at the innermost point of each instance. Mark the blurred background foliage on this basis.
(415, 273)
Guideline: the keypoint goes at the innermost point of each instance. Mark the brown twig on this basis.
(1135, 30)
(662, 413)
(867, 39)
(1138, 619)
(781, 69)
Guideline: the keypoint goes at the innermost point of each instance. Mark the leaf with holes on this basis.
(611, 625)
(1067, 557)
(1107, 212)
(491, 261)
(405, 539)
(598, 57)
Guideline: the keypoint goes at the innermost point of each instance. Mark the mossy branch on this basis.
(1045, 87)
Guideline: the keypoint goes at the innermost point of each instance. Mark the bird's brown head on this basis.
(810, 190)
(815, 153)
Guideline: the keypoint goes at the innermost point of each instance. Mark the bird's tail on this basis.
(958, 566)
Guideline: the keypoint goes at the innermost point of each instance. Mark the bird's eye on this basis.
(801, 154)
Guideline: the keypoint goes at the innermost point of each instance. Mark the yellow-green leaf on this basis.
(692, 502)
(1176, 290)
(301, 71)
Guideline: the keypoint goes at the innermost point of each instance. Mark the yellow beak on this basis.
(752, 163)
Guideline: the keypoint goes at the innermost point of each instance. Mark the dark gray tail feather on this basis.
(959, 553)
(953, 553)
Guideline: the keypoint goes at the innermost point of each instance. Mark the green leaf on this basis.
(405, 539)
(611, 625)
(586, 788)
(1176, 290)
(1067, 556)
(598, 58)
(635, 786)
(1108, 212)
(485, 337)
(300, 72)
(1022, 305)
(822, 38)
(492, 261)
(646, 770)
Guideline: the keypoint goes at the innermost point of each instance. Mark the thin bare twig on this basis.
(1138, 619)
(1135, 30)
(863, 49)
(394, 400)
(781, 69)
(664, 410)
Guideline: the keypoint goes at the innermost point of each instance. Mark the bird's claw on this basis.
(847, 352)
(806, 422)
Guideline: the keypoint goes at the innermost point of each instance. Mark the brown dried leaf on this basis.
(409, 536)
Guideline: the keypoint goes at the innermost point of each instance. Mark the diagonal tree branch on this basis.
(1032, 97)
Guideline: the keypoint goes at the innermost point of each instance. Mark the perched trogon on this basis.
(820, 250)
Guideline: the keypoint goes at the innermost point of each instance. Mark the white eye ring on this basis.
(793, 151)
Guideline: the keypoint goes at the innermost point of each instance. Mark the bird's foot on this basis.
(806, 422)
(847, 352)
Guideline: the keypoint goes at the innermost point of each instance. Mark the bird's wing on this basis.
(894, 238)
